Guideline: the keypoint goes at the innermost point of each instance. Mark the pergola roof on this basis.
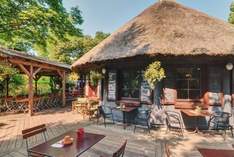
(165, 29)
(9, 53)
(34, 66)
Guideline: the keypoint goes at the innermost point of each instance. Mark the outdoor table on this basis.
(73, 150)
(197, 115)
(216, 152)
(126, 110)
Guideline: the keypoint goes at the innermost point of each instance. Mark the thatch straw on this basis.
(165, 28)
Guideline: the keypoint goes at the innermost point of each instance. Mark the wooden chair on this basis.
(27, 133)
(120, 152)
(92, 109)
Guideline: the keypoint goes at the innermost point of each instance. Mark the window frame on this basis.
(188, 80)
(121, 81)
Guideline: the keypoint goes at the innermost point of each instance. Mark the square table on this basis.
(205, 152)
(73, 150)
(126, 110)
(197, 115)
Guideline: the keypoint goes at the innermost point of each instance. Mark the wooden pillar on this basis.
(7, 86)
(64, 87)
(36, 78)
(30, 91)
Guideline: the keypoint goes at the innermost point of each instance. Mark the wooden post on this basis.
(36, 78)
(64, 87)
(7, 86)
(30, 91)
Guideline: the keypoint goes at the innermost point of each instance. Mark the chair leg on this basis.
(104, 122)
(148, 127)
(231, 129)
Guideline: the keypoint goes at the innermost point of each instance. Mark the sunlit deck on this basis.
(139, 144)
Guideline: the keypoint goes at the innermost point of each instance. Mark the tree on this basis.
(28, 23)
(231, 16)
(73, 49)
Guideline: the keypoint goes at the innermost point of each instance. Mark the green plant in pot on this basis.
(154, 74)
(95, 76)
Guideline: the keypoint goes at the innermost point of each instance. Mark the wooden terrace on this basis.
(139, 144)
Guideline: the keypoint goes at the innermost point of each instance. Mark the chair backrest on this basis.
(223, 118)
(82, 100)
(173, 119)
(121, 150)
(34, 131)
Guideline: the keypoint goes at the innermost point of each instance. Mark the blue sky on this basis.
(109, 15)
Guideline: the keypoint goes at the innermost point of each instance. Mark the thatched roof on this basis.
(165, 28)
(8, 53)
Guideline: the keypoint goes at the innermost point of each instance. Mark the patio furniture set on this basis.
(86, 107)
(218, 121)
(56, 147)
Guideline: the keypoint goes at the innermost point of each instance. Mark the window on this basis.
(188, 82)
(130, 82)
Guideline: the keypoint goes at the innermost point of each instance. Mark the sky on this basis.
(109, 15)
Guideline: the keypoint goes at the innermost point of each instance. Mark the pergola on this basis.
(34, 67)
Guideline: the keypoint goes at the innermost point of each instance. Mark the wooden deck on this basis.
(140, 144)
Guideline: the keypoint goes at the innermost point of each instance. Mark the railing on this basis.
(17, 105)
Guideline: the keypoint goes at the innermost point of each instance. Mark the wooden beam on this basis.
(30, 91)
(60, 73)
(64, 87)
(24, 69)
(50, 67)
(36, 71)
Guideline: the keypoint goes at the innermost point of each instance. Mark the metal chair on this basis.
(220, 121)
(27, 133)
(174, 122)
(142, 119)
(120, 152)
(104, 112)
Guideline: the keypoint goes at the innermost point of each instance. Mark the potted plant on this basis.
(95, 76)
(154, 74)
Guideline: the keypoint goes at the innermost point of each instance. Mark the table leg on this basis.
(197, 129)
(124, 120)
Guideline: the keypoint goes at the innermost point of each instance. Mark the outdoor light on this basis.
(229, 66)
(103, 70)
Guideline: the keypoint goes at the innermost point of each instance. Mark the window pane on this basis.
(194, 94)
(194, 84)
(182, 84)
(130, 81)
(182, 94)
(188, 82)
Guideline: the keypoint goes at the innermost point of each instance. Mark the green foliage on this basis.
(154, 73)
(95, 76)
(231, 15)
(73, 49)
(26, 23)
(18, 85)
(43, 85)
(6, 70)
(72, 79)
